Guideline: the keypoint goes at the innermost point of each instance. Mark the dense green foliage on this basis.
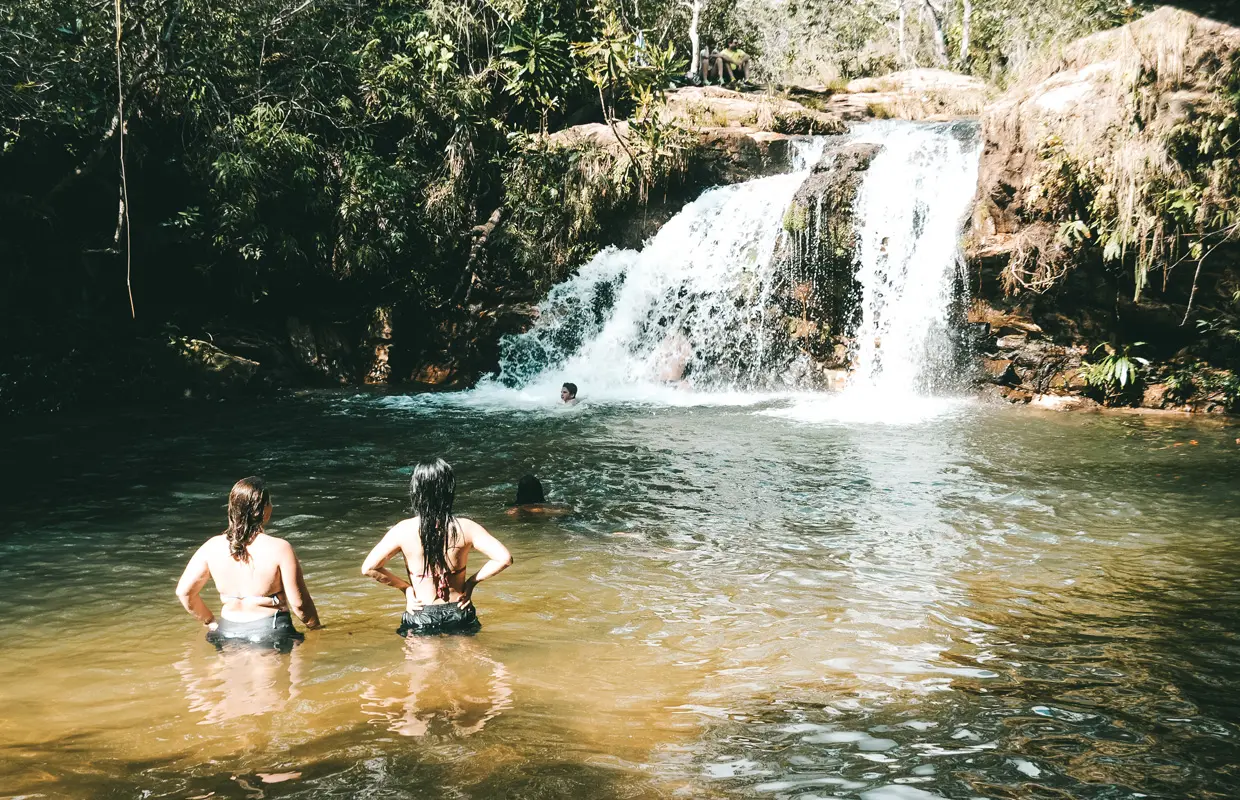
(268, 143)
(806, 41)
(323, 158)
(279, 147)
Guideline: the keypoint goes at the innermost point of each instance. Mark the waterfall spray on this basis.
(691, 307)
(699, 306)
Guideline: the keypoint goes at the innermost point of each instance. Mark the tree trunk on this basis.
(902, 33)
(966, 26)
(936, 26)
(695, 40)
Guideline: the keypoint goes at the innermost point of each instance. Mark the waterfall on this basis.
(692, 306)
(909, 213)
(705, 304)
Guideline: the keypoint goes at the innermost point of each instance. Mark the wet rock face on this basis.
(323, 351)
(819, 296)
(1099, 121)
(472, 348)
(1015, 356)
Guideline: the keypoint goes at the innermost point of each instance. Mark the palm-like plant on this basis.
(537, 67)
(1116, 371)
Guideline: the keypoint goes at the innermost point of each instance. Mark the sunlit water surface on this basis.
(981, 603)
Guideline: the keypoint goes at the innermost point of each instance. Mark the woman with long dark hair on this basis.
(532, 500)
(258, 576)
(436, 546)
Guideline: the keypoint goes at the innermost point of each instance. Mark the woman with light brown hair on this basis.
(258, 576)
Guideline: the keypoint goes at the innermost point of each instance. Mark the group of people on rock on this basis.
(725, 66)
(262, 586)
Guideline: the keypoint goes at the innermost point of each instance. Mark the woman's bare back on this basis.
(246, 586)
(457, 556)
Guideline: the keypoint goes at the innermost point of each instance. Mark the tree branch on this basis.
(123, 214)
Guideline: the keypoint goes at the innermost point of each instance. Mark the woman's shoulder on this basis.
(409, 525)
(216, 544)
(272, 544)
(467, 526)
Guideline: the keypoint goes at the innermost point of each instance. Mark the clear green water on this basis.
(994, 603)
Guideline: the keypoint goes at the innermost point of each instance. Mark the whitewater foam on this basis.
(689, 319)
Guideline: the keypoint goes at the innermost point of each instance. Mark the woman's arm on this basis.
(295, 591)
(192, 580)
(498, 560)
(373, 566)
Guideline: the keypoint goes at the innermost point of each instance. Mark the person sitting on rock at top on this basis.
(707, 59)
(568, 394)
(731, 60)
(532, 500)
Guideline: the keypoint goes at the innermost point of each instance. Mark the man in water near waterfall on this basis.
(436, 546)
(258, 576)
(531, 500)
(568, 394)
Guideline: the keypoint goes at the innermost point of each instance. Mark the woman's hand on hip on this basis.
(467, 593)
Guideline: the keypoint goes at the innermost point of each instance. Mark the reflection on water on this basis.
(986, 604)
(445, 686)
(242, 681)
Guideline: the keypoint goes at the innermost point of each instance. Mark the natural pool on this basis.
(989, 603)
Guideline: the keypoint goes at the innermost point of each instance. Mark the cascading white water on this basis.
(690, 304)
(909, 211)
(697, 307)
(908, 214)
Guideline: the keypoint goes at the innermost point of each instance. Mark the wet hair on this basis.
(529, 490)
(247, 503)
(572, 389)
(432, 489)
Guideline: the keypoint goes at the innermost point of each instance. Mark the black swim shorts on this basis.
(274, 631)
(439, 618)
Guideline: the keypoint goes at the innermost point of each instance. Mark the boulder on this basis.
(1058, 402)
(209, 371)
(712, 109)
(1155, 395)
(748, 130)
(916, 94)
(1079, 108)
(999, 370)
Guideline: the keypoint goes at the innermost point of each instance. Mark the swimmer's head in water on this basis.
(568, 392)
(433, 491)
(249, 508)
(529, 490)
